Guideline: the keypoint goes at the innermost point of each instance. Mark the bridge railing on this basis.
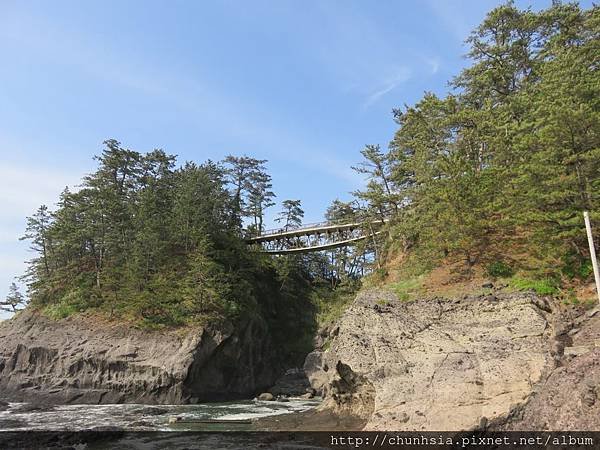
(308, 227)
(304, 226)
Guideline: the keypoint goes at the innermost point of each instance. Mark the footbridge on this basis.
(315, 237)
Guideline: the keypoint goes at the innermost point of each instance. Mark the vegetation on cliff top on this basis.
(498, 173)
(164, 246)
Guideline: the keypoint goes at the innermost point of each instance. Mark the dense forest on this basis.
(498, 172)
(158, 245)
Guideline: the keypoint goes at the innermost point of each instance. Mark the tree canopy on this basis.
(503, 166)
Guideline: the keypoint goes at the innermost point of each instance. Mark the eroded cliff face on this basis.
(435, 364)
(569, 397)
(84, 359)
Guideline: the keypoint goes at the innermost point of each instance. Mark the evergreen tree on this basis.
(14, 300)
(506, 164)
(381, 194)
(37, 233)
(291, 215)
(260, 197)
(242, 172)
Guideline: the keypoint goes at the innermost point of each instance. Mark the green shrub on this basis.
(70, 303)
(59, 310)
(407, 289)
(499, 269)
(331, 304)
(541, 287)
(576, 266)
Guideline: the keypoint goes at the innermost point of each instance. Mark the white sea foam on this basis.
(140, 417)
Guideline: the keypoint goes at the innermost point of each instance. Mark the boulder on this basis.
(266, 397)
(315, 371)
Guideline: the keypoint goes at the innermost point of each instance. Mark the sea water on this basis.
(137, 417)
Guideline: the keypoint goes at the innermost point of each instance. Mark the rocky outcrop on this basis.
(85, 359)
(292, 383)
(568, 398)
(435, 364)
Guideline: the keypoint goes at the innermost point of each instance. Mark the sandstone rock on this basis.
(316, 371)
(557, 405)
(293, 382)
(589, 397)
(82, 359)
(454, 361)
(349, 392)
(266, 397)
(577, 350)
(483, 421)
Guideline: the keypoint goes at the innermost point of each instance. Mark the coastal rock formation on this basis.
(435, 364)
(292, 383)
(569, 397)
(85, 359)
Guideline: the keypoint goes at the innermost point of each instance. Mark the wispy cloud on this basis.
(210, 105)
(433, 63)
(24, 188)
(402, 75)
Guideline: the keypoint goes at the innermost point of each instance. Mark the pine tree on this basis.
(14, 300)
(260, 197)
(37, 232)
(241, 173)
(292, 214)
(381, 194)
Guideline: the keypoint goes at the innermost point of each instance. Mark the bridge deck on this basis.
(314, 248)
(309, 230)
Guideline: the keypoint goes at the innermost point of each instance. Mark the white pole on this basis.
(588, 227)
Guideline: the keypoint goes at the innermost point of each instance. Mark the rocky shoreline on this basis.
(492, 361)
(499, 361)
(84, 359)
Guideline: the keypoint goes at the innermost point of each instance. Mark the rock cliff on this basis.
(436, 364)
(84, 359)
(568, 398)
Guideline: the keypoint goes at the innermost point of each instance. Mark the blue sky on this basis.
(304, 84)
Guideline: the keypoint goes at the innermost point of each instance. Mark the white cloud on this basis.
(24, 188)
(433, 63)
(402, 75)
